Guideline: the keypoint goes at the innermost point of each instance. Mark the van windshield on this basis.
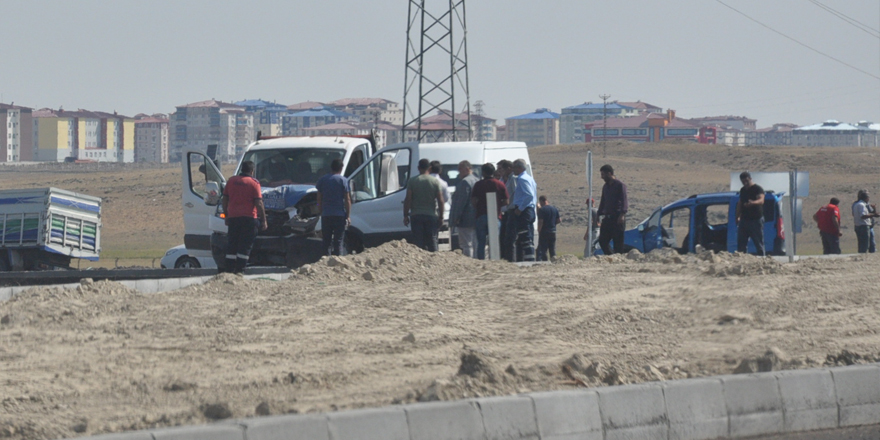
(292, 166)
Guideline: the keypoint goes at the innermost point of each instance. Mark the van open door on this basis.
(202, 187)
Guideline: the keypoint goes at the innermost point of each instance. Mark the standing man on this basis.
(750, 215)
(828, 220)
(613, 208)
(864, 215)
(243, 204)
(488, 185)
(423, 207)
(334, 202)
(436, 169)
(525, 200)
(548, 218)
(463, 216)
(508, 220)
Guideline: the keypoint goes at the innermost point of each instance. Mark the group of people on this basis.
(516, 208)
(828, 220)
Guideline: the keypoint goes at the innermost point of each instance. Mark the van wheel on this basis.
(4, 262)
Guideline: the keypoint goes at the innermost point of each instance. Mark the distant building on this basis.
(16, 133)
(151, 139)
(734, 122)
(642, 107)
(294, 124)
(778, 134)
(572, 119)
(61, 135)
(647, 127)
(540, 127)
(212, 122)
(267, 115)
(386, 134)
(370, 109)
(833, 133)
(482, 127)
(298, 107)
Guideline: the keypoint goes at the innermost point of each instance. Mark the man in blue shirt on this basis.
(334, 202)
(548, 218)
(524, 200)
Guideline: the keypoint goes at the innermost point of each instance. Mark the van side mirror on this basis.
(642, 228)
(213, 193)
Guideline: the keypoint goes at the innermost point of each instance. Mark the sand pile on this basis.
(397, 324)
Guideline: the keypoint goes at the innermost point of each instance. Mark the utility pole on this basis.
(604, 124)
(480, 115)
(436, 73)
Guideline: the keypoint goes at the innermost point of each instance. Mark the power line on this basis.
(852, 21)
(798, 42)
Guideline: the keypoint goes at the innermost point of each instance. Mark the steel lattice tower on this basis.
(436, 76)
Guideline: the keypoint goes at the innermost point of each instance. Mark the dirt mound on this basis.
(396, 261)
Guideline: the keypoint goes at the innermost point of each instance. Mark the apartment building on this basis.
(370, 109)
(151, 139)
(211, 122)
(267, 115)
(61, 135)
(540, 127)
(572, 119)
(294, 124)
(16, 133)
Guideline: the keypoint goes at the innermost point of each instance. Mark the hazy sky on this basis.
(695, 56)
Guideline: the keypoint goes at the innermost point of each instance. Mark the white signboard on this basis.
(776, 182)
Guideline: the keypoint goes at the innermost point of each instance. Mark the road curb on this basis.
(688, 409)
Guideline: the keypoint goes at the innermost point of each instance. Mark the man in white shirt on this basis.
(436, 169)
(864, 215)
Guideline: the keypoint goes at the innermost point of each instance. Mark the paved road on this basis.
(860, 433)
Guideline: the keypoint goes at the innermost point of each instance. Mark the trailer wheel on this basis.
(187, 262)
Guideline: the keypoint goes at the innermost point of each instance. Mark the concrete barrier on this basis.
(369, 424)
(568, 415)
(206, 432)
(691, 409)
(508, 418)
(458, 420)
(858, 394)
(754, 406)
(634, 412)
(695, 409)
(289, 427)
(808, 399)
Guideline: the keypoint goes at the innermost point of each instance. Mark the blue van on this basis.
(708, 220)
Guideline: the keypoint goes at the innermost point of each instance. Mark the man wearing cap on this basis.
(750, 215)
(828, 220)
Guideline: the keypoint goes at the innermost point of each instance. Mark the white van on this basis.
(379, 186)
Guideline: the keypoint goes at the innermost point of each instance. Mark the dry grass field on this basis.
(143, 216)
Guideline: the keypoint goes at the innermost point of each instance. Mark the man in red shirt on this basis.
(488, 185)
(243, 205)
(828, 219)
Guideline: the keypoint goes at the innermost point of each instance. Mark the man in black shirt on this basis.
(750, 215)
(548, 218)
(612, 208)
